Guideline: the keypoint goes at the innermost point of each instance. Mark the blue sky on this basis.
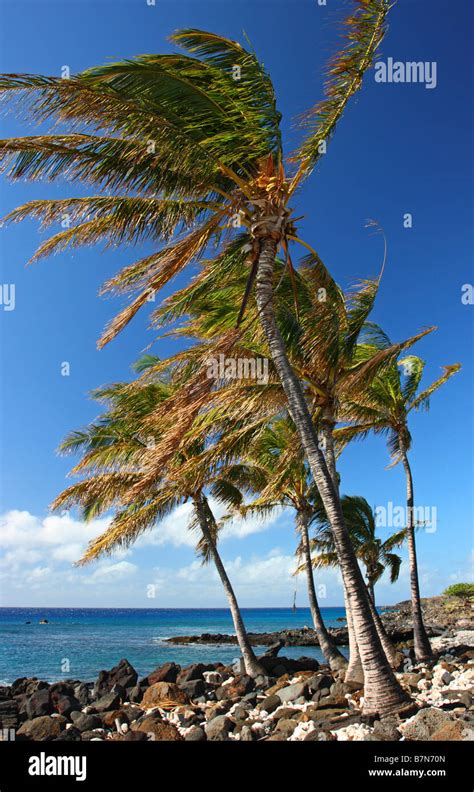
(400, 148)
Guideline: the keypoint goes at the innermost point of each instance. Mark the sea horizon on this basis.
(76, 643)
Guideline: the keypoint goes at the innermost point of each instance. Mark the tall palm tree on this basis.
(384, 409)
(202, 150)
(287, 483)
(376, 556)
(112, 449)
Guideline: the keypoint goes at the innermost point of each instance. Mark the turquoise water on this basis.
(77, 643)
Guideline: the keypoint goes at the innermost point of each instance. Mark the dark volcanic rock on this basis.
(43, 728)
(122, 674)
(192, 672)
(9, 716)
(165, 673)
(84, 722)
(110, 701)
(194, 689)
(39, 703)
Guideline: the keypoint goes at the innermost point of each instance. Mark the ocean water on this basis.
(78, 642)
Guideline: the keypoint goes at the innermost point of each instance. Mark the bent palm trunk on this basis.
(252, 666)
(421, 641)
(332, 655)
(354, 672)
(393, 656)
(382, 692)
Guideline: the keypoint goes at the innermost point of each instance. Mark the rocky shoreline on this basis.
(440, 614)
(298, 700)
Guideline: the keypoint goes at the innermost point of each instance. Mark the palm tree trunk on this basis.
(393, 656)
(354, 672)
(333, 656)
(382, 693)
(252, 666)
(421, 641)
(371, 590)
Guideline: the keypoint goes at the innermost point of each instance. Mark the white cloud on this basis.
(174, 529)
(110, 573)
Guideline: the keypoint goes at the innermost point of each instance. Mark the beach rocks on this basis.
(39, 703)
(164, 692)
(219, 728)
(424, 724)
(295, 692)
(9, 715)
(194, 689)
(165, 673)
(156, 729)
(42, 728)
(110, 701)
(84, 722)
(192, 672)
(123, 674)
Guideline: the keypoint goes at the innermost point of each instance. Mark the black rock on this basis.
(192, 672)
(135, 736)
(165, 673)
(196, 734)
(84, 722)
(9, 715)
(66, 704)
(82, 694)
(108, 702)
(194, 688)
(39, 703)
(122, 674)
(68, 735)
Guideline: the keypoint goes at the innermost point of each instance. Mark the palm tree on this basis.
(287, 483)
(112, 450)
(333, 348)
(203, 151)
(377, 556)
(384, 409)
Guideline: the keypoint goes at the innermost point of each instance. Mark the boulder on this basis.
(39, 704)
(83, 694)
(66, 704)
(319, 682)
(164, 692)
(192, 672)
(424, 724)
(165, 673)
(286, 726)
(43, 728)
(84, 722)
(293, 692)
(239, 687)
(218, 728)
(157, 729)
(195, 734)
(110, 701)
(122, 674)
(194, 689)
(9, 715)
(452, 731)
(270, 703)
(135, 736)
